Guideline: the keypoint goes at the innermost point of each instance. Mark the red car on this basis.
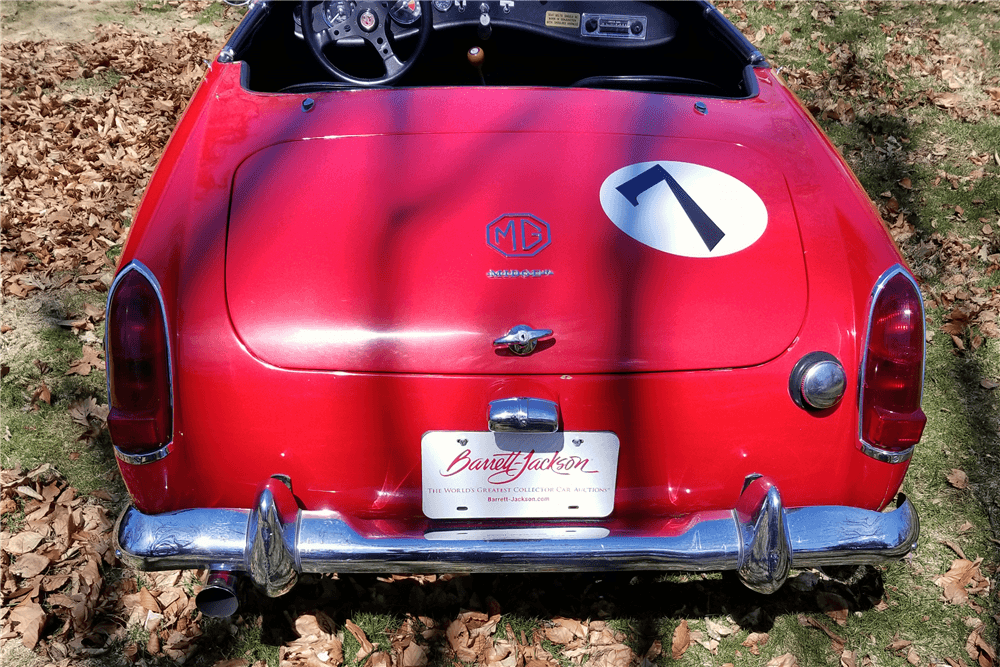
(507, 286)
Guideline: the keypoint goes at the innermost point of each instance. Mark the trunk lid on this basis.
(414, 252)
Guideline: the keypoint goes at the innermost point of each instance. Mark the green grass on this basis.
(11, 10)
(215, 12)
(518, 625)
(42, 433)
(378, 628)
(247, 642)
(101, 82)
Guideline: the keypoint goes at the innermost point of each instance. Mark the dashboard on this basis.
(612, 24)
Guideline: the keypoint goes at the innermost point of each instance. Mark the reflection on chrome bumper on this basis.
(274, 541)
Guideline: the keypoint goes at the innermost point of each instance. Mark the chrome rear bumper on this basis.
(274, 541)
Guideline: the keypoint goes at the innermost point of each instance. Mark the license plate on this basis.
(485, 475)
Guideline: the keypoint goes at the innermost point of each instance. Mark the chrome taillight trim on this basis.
(867, 448)
(136, 265)
(886, 456)
(148, 457)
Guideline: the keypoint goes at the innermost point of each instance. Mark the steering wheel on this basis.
(368, 20)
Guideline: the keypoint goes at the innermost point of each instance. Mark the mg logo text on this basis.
(518, 235)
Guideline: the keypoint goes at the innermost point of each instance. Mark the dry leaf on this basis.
(576, 627)
(79, 367)
(415, 655)
(153, 645)
(954, 547)
(655, 650)
(42, 394)
(717, 630)
(559, 634)
(755, 640)
(615, 655)
(836, 640)
(30, 619)
(833, 606)
(681, 640)
(148, 601)
(22, 543)
(29, 565)
(709, 643)
(359, 634)
(958, 479)
(786, 660)
(379, 659)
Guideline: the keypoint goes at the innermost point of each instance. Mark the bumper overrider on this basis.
(274, 541)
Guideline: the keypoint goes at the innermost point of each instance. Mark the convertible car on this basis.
(507, 286)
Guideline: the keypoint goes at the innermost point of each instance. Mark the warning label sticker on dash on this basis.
(486, 475)
(562, 20)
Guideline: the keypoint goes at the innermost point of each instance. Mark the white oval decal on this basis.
(684, 209)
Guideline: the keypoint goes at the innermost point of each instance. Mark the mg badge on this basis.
(518, 235)
(368, 21)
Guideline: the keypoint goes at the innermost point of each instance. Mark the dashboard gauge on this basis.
(442, 5)
(338, 12)
(405, 12)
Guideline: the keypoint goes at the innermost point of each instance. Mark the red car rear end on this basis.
(469, 328)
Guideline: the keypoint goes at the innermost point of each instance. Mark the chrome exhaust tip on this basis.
(218, 598)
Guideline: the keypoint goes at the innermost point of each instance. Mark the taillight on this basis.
(893, 373)
(138, 358)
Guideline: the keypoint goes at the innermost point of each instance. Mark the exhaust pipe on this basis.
(218, 598)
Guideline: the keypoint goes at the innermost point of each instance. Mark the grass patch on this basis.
(215, 12)
(39, 351)
(11, 10)
(101, 82)
(247, 643)
(521, 628)
(378, 628)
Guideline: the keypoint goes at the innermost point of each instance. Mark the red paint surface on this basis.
(391, 264)
(349, 437)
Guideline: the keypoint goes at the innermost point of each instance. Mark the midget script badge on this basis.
(518, 235)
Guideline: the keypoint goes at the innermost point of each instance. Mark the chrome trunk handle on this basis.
(522, 339)
(523, 415)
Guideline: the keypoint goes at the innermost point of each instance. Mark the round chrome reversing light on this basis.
(818, 381)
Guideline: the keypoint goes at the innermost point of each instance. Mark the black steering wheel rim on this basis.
(316, 44)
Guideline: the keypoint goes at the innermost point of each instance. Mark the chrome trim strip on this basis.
(136, 265)
(148, 457)
(867, 448)
(255, 13)
(885, 456)
(760, 539)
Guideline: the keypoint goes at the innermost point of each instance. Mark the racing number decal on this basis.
(631, 189)
(684, 209)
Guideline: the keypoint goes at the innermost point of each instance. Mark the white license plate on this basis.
(485, 475)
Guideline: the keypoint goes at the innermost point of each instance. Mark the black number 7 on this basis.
(632, 188)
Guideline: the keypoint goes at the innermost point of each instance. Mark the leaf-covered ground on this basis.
(910, 93)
